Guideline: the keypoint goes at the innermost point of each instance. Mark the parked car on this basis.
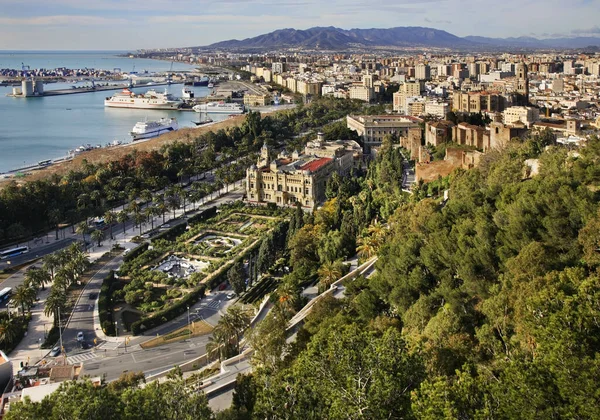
(165, 226)
(92, 296)
(55, 351)
(230, 295)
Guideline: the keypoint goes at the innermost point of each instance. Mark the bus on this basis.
(13, 252)
(99, 223)
(5, 294)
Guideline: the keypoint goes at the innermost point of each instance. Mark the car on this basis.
(230, 295)
(223, 286)
(55, 351)
(92, 296)
(127, 251)
(80, 336)
(165, 226)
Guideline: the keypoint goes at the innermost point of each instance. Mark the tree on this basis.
(266, 254)
(110, 218)
(237, 277)
(123, 217)
(38, 277)
(55, 303)
(24, 296)
(82, 228)
(50, 263)
(8, 332)
(328, 273)
(173, 202)
(97, 236)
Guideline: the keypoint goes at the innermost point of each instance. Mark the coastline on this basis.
(106, 154)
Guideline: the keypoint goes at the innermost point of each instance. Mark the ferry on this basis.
(149, 100)
(220, 108)
(203, 81)
(149, 129)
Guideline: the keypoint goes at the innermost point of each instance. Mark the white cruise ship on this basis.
(149, 129)
(220, 108)
(149, 100)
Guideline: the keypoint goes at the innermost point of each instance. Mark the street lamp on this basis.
(116, 330)
(188, 310)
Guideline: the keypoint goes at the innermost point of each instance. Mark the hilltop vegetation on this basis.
(482, 307)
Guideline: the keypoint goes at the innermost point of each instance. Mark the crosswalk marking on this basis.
(80, 357)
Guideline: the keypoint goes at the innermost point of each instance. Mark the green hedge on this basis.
(171, 233)
(135, 252)
(169, 313)
(105, 305)
(203, 215)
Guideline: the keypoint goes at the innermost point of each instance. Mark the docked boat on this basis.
(220, 108)
(197, 81)
(187, 93)
(149, 100)
(149, 129)
(210, 85)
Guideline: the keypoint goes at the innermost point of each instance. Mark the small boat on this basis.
(199, 123)
(187, 93)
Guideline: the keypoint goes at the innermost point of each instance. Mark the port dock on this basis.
(73, 91)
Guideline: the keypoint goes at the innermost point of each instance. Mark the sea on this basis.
(36, 129)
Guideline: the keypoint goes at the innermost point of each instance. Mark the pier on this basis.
(73, 91)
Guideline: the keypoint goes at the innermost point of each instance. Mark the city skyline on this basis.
(110, 24)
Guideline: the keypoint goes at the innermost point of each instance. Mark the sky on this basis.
(135, 24)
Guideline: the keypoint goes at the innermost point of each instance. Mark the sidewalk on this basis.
(29, 349)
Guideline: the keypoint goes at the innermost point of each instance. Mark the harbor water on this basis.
(36, 129)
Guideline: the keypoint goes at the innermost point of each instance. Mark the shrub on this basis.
(105, 305)
(135, 252)
(171, 233)
(169, 313)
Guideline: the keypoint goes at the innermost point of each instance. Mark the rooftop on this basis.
(316, 164)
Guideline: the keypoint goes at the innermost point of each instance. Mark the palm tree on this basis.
(146, 196)
(288, 297)
(55, 302)
(150, 212)
(97, 236)
(236, 320)
(50, 263)
(217, 343)
(134, 207)
(83, 229)
(139, 219)
(366, 247)
(8, 332)
(24, 296)
(162, 208)
(38, 277)
(173, 202)
(110, 218)
(329, 273)
(123, 217)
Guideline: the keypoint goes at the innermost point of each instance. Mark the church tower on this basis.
(522, 82)
(265, 156)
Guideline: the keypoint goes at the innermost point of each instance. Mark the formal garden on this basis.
(159, 279)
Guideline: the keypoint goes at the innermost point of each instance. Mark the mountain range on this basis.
(331, 38)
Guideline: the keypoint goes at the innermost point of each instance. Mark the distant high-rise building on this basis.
(422, 72)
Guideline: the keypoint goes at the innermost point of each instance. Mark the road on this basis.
(35, 252)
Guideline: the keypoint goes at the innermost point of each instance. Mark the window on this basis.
(279, 187)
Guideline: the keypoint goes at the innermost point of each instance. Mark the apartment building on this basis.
(257, 100)
(362, 93)
(521, 114)
(477, 102)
